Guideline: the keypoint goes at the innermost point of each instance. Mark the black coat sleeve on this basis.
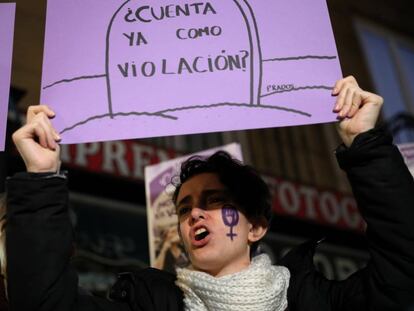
(39, 242)
(384, 190)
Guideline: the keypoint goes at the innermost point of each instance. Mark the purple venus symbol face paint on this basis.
(230, 217)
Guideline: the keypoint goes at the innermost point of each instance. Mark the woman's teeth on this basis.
(201, 230)
(201, 234)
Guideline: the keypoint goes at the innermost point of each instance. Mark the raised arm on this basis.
(39, 233)
(384, 190)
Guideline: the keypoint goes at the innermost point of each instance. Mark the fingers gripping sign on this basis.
(358, 110)
(37, 141)
(32, 111)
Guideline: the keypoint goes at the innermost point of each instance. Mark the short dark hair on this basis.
(244, 183)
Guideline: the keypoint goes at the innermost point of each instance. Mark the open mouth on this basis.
(201, 234)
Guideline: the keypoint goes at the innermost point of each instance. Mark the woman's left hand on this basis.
(358, 110)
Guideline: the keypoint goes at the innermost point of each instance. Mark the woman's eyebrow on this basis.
(209, 192)
(205, 194)
(184, 200)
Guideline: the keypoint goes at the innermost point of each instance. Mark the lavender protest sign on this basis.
(166, 251)
(123, 69)
(7, 12)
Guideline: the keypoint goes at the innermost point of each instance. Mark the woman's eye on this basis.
(183, 211)
(214, 200)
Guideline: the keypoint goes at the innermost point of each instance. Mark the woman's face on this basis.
(215, 234)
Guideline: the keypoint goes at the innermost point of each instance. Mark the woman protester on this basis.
(223, 209)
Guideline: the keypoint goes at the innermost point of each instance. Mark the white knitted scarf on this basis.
(261, 286)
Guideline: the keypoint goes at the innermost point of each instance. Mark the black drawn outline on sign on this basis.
(74, 79)
(107, 78)
(299, 58)
(259, 51)
(162, 114)
(251, 55)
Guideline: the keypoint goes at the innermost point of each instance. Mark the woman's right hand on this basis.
(37, 140)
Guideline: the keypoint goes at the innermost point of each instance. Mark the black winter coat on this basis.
(39, 245)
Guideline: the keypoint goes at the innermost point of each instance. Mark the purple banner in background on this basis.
(129, 69)
(7, 12)
(161, 214)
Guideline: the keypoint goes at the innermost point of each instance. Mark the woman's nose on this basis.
(197, 213)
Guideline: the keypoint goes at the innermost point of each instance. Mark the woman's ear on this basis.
(257, 230)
